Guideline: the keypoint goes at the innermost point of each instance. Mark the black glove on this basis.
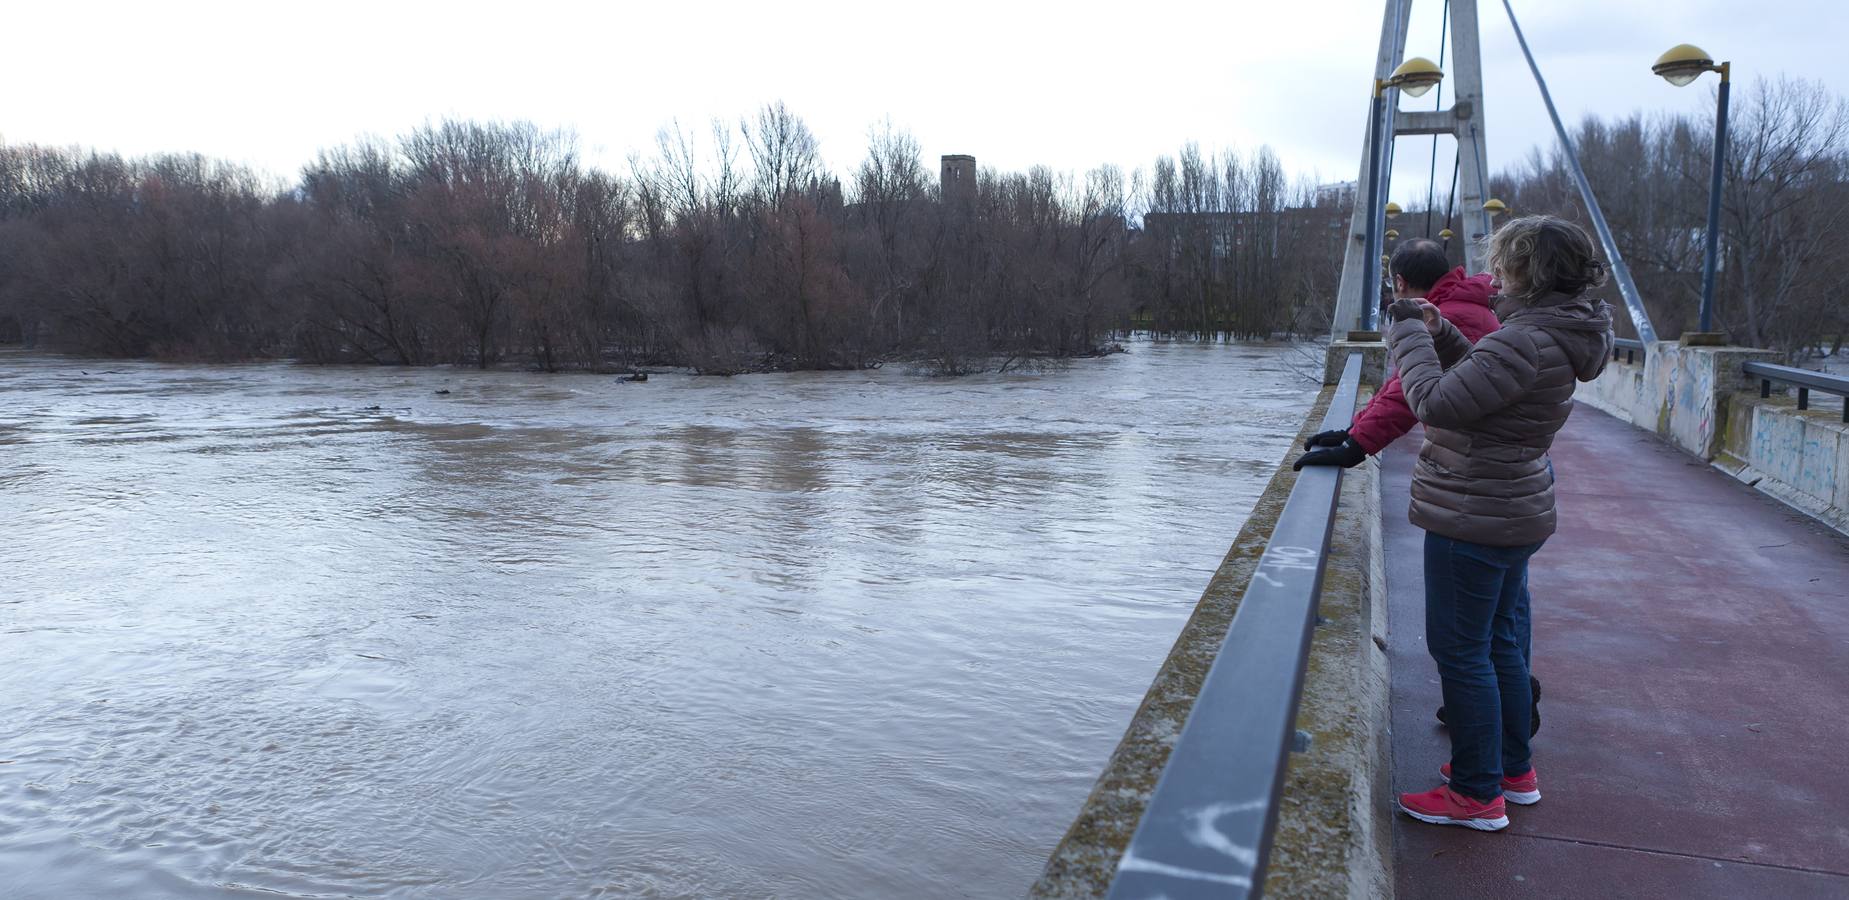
(1347, 454)
(1405, 308)
(1326, 439)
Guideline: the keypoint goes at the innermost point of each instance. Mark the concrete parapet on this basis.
(1333, 838)
(1799, 456)
(1678, 392)
(1373, 361)
(1701, 400)
(1335, 834)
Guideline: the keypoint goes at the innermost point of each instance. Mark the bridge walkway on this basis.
(1692, 636)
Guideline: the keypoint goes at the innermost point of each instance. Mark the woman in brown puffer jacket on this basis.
(1483, 490)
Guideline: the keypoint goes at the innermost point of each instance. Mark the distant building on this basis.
(957, 181)
(1220, 235)
(1341, 193)
(1216, 233)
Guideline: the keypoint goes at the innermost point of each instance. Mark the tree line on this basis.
(1783, 276)
(483, 243)
(732, 248)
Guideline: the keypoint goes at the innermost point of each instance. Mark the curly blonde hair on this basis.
(1540, 255)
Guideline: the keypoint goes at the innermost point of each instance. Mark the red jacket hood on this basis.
(1456, 287)
(1464, 301)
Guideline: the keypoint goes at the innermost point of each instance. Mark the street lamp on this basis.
(1414, 77)
(1393, 210)
(1494, 207)
(1680, 66)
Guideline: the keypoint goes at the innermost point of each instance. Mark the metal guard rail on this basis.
(1803, 379)
(1208, 827)
(1626, 349)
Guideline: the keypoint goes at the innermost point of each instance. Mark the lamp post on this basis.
(1413, 77)
(1680, 66)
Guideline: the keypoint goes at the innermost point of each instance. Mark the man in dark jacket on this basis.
(1420, 270)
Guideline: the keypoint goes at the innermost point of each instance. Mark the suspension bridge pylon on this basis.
(1463, 120)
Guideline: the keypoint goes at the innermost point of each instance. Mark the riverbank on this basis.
(937, 363)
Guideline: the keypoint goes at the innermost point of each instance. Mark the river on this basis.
(325, 632)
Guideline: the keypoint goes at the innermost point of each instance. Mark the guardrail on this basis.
(1803, 379)
(1626, 349)
(1208, 827)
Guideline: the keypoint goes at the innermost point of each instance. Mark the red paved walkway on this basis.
(1693, 639)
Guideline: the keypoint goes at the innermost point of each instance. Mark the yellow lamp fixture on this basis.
(1416, 76)
(1393, 234)
(1683, 63)
(1495, 207)
(1393, 209)
(1446, 234)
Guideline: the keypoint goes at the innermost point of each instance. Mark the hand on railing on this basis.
(1330, 448)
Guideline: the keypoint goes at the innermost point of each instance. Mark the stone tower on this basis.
(957, 182)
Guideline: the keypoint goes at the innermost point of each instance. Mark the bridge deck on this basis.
(1692, 636)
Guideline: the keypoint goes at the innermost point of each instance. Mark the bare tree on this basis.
(784, 154)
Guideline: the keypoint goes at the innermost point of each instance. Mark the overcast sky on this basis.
(1070, 84)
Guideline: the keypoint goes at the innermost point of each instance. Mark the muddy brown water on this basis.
(276, 630)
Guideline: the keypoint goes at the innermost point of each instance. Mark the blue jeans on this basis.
(1477, 629)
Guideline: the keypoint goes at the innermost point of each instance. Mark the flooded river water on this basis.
(328, 632)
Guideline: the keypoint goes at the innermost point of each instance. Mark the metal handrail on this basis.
(1208, 827)
(1626, 349)
(1803, 379)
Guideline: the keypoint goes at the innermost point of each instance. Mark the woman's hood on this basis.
(1581, 325)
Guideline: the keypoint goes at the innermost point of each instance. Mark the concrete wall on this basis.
(1373, 361)
(1798, 456)
(1333, 836)
(1699, 399)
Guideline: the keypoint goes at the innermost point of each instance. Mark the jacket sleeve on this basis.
(1385, 418)
(1495, 373)
(1450, 343)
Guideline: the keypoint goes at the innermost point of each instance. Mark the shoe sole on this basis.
(1519, 798)
(1496, 824)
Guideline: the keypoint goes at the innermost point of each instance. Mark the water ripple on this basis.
(323, 632)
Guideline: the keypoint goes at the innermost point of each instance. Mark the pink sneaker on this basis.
(1522, 790)
(1443, 806)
